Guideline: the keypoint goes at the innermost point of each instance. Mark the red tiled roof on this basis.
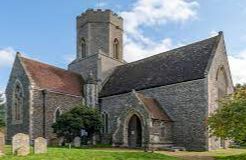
(53, 78)
(154, 108)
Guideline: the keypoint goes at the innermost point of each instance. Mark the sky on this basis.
(45, 30)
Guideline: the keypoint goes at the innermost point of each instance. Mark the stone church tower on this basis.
(99, 44)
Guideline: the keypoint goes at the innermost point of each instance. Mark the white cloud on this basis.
(7, 56)
(135, 50)
(238, 66)
(146, 13)
(213, 33)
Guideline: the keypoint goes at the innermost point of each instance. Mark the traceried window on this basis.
(116, 49)
(57, 114)
(105, 122)
(83, 48)
(17, 103)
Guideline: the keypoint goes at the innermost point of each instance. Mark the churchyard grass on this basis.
(89, 154)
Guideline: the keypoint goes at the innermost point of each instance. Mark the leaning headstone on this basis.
(21, 144)
(2, 143)
(77, 142)
(40, 145)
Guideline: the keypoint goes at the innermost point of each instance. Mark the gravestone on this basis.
(40, 145)
(77, 142)
(2, 143)
(21, 144)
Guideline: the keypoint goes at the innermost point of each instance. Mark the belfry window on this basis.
(17, 102)
(83, 48)
(116, 49)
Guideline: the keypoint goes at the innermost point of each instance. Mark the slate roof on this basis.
(178, 65)
(53, 78)
(154, 108)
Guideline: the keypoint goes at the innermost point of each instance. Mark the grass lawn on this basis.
(89, 154)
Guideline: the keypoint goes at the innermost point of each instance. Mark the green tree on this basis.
(2, 113)
(69, 124)
(229, 120)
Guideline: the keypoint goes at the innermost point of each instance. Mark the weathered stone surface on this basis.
(77, 142)
(215, 81)
(2, 143)
(23, 125)
(40, 145)
(53, 101)
(21, 144)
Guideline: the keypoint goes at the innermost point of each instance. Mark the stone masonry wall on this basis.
(120, 109)
(99, 29)
(101, 66)
(185, 103)
(53, 101)
(17, 73)
(220, 60)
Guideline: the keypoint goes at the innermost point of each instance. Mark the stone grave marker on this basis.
(77, 142)
(21, 144)
(40, 145)
(2, 143)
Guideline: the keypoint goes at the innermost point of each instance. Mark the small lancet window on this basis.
(116, 48)
(57, 114)
(105, 122)
(17, 102)
(83, 48)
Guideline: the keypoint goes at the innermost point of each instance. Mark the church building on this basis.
(160, 101)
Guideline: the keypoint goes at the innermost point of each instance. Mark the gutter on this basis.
(44, 92)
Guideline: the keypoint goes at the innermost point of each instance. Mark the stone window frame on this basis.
(83, 48)
(105, 120)
(221, 69)
(20, 108)
(126, 118)
(55, 114)
(116, 49)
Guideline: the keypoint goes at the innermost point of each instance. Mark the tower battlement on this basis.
(99, 16)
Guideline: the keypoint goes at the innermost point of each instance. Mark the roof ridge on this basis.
(53, 66)
(140, 60)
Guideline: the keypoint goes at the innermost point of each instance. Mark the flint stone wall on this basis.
(186, 104)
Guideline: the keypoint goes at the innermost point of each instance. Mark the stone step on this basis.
(173, 148)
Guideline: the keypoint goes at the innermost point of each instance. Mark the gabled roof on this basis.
(178, 65)
(53, 78)
(154, 108)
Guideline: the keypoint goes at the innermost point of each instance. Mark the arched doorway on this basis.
(134, 132)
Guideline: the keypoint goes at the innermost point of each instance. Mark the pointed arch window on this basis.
(222, 82)
(105, 122)
(116, 48)
(57, 114)
(83, 48)
(17, 102)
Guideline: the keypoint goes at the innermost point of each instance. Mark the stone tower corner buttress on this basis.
(99, 44)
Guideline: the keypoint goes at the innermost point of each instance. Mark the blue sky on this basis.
(45, 29)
